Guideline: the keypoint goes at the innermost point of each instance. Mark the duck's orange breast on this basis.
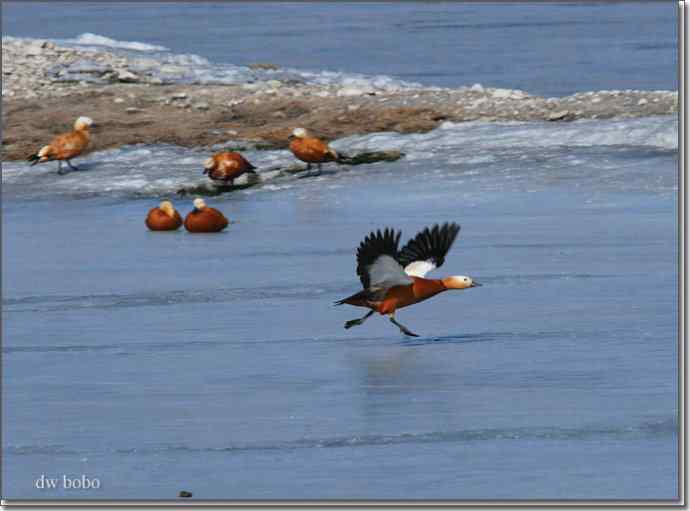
(69, 145)
(159, 220)
(311, 150)
(401, 296)
(205, 220)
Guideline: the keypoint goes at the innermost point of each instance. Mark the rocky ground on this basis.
(45, 87)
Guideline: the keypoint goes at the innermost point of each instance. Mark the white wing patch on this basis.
(387, 271)
(419, 268)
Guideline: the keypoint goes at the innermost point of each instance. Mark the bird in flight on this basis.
(393, 279)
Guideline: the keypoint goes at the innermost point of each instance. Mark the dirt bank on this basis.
(46, 87)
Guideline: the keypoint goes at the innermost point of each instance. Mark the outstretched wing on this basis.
(377, 261)
(428, 249)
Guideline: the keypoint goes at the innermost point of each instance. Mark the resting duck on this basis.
(394, 279)
(227, 166)
(65, 146)
(205, 219)
(310, 149)
(164, 218)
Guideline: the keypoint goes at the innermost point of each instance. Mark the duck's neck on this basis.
(426, 288)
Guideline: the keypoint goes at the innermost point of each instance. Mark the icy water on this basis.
(546, 49)
(217, 364)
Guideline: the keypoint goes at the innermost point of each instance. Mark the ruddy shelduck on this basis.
(227, 166)
(204, 219)
(164, 218)
(394, 279)
(310, 149)
(66, 146)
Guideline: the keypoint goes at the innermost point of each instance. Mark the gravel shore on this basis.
(139, 100)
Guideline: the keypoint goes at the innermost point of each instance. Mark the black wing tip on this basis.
(432, 242)
(447, 230)
(388, 236)
(447, 226)
(439, 228)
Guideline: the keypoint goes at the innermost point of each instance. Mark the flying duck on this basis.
(393, 279)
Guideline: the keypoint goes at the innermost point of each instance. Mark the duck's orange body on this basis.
(66, 146)
(399, 296)
(205, 220)
(312, 150)
(159, 220)
(227, 166)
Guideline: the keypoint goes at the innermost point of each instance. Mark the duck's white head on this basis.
(460, 282)
(83, 123)
(199, 203)
(208, 163)
(299, 133)
(167, 207)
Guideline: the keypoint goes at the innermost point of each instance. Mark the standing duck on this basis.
(394, 279)
(205, 219)
(227, 166)
(65, 146)
(310, 149)
(164, 218)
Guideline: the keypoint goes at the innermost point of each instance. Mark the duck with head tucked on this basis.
(164, 218)
(205, 219)
(227, 166)
(66, 146)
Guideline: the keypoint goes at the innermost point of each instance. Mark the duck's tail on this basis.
(360, 298)
(46, 153)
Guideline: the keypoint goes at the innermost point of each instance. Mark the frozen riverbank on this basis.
(615, 154)
(191, 102)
